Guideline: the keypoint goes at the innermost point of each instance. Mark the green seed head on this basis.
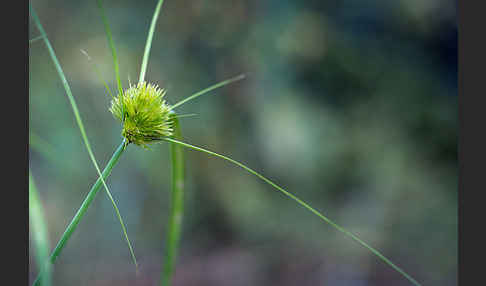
(144, 114)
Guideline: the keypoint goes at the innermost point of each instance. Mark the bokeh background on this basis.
(351, 105)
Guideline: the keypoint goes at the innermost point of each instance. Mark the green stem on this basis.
(177, 204)
(78, 116)
(84, 207)
(302, 203)
(148, 44)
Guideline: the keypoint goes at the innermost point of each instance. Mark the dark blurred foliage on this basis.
(351, 105)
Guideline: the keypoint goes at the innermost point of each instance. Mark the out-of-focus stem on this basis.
(177, 204)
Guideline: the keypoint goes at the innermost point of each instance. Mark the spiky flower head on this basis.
(144, 113)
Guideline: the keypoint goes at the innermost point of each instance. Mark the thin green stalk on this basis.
(80, 124)
(149, 41)
(177, 209)
(38, 230)
(177, 161)
(83, 208)
(208, 89)
(177, 204)
(302, 203)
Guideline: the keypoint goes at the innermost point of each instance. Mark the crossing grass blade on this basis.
(83, 209)
(300, 202)
(80, 125)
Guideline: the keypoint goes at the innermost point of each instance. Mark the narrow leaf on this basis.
(302, 203)
(208, 89)
(186, 115)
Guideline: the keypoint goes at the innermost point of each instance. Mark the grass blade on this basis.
(80, 123)
(208, 89)
(177, 204)
(84, 207)
(35, 39)
(148, 45)
(302, 203)
(112, 46)
(186, 115)
(38, 230)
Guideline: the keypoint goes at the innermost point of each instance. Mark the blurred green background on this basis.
(350, 105)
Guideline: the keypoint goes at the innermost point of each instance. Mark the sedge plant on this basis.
(147, 118)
